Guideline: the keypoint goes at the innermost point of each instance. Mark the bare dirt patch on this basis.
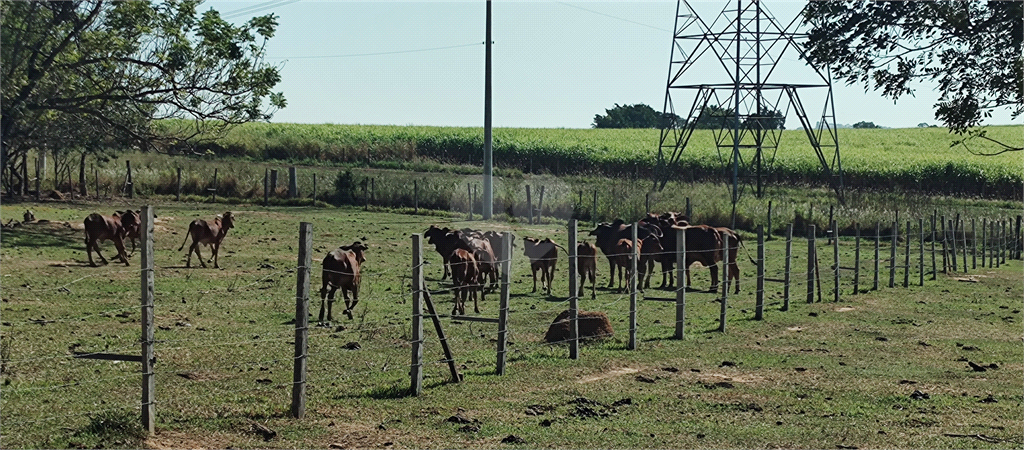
(844, 309)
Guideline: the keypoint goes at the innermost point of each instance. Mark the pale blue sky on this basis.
(555, 64)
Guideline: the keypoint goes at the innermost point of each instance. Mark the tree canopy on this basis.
(970, 49)
(633, 116)
(102, 73)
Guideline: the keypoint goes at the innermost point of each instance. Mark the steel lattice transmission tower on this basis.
(725, 71)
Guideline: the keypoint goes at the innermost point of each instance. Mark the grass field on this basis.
(886, 368)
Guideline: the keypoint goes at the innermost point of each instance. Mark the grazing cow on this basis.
(466, 278)
(99, 228)
(341, 270)
(586, 266)
(543, 256)
(609, 234)
(207, 233)
(704, 245)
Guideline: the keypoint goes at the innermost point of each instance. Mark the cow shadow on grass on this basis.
(43, 234)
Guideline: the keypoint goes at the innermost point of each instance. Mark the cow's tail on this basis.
(186, 239)
(751, 258)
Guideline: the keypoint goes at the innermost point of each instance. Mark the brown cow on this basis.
(99, 228)
(543, 256)
(733, 269)
(207, 233)
(341, 270)
(586, 266)
(608, 235)
(466, 278)
(704, 245)
(621, 255)
(486, 261)
(444, 244)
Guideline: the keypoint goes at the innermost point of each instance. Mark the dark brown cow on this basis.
(99, 228)
(586, 266)
(466, 278)
(733, 269)
(207, 233)
(132, 232)
(704, 245)
(486, 261)
(444, 243)
(543, 256)
(609, 234)
(341, 270)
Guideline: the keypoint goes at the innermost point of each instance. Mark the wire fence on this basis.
(213, 357)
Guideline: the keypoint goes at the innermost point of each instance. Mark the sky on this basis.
(554, 64)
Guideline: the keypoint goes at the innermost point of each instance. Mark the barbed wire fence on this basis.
(257, 369)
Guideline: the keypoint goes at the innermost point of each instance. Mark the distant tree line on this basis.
(711, 117)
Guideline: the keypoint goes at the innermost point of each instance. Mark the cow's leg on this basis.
(323, 301)
(714, 278)
(89, 247)
(121, 254)
(734, 273)
(447, 270)
(355, 299)
(533, 268)
(611, 273)
(478, 287)
(215, 249)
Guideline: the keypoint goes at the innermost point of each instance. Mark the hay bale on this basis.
(592, 325)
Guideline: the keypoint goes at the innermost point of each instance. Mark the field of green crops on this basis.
(919, 159)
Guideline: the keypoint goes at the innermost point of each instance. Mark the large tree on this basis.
(634, 116)
(970, 49)
(97, 73)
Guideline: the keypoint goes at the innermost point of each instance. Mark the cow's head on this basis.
(357, 248)
(434, 234)
(227, 221)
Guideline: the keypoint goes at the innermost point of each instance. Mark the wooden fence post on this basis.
(725, 281)
(892, 255)
(214, 188)
(416, 367)
(759, 300)
(302, 273)
(632, 290)
(594, 214)
(878, 240)
(38, 192)
(963, 240)
(952, 244)
(574, 280)
(529, 205)
(856, 260)
(469, 199)
(506, 268)
(1017, 245)
(266, 187)
(293, 183)
(920, 229)
(540, 205)
(148, 376)
(769, 234)
(314, 188)
(96, 176)
(906, 259)
(945, 239)
(835, 257)
(1003, 242)
(177, 189)
(681, 284)
(273, 181)
(415, 197)
(811, 257)
(789, 267)
(974, 244)
(689, 212)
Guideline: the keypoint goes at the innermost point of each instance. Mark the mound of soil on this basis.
(592, 325)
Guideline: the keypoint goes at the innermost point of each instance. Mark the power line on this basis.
(615, 17)
(257, 8)
(376, 54)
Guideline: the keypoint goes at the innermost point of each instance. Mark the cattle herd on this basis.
(469, 255)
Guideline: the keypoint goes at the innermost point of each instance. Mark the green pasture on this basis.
(886, 368)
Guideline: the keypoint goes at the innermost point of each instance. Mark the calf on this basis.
(586, 266)
(207, 233)
(543, 256)
(621, 255)
(733, 269)
(341, 270)
(99, 228)
(608, 235)
(466, 278)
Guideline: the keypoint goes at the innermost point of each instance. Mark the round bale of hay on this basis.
(592, 325)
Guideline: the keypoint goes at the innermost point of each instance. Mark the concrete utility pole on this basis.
(488, 200)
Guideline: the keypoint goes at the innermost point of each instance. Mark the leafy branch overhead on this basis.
(970, 49)
(120, 67)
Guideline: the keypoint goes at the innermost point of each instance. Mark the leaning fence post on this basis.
(529, 205)
(769, 234)
(759, 300)
(681, 279)
(811, 257)
(416, 366)
(633, 254)
(148, 377)
(505, 254)
(574, 342)
(725, 279)
(302, 319)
